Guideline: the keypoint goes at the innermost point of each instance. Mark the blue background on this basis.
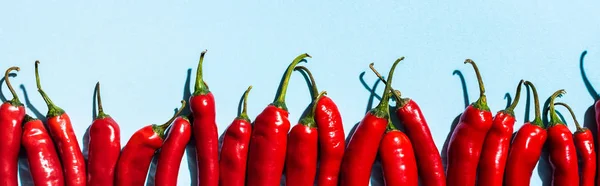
(141, 53)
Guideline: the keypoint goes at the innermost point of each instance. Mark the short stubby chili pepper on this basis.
(563, 155)
(137, 154)
(234, 151)
(44, 163)
(171, 152)
(11, 116)
(364, 144)
(526, 148)
(204, 127)
(429, 162)
(61, 130)
(397, 158)
(497, 144)
(584, 143)
(332, 142)
(266, 153)
(302, 150)
(102, 144)
(464, 147)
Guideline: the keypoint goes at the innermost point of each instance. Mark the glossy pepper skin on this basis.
(204, 127)
(397, 158)
(171, 152)
(584, 143)
(44, 164)
(464, 147)
(234, 152)
(526, 148)
(563, 155)
(61, 130)
(137, 154)
(266, 153)
(497, 144)
(332, 142)
(11, 117)
(103, 147)
(364, 144)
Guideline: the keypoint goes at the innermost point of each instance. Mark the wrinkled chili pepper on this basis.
(397, 158)
(584, 143)
(11, 116)
(44, 163)
(102, 146)
(464, 147)
(497, 143)
(171, 152)
(137, 154)
(234, 151)
(266, 153)
(332, 140)
(563, 155)
(364, 144)
(526, 148)
(204, 127)
(61, 131)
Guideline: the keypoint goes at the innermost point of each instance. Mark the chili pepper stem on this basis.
(53, 110)
(280, 98)
(309, 119)
(397, 94)
(510, 109)
(101, 113)
(244, 115)
(538, 114)
(579, 128)
(160, 129)
(382, 110)
(554, 119)
(200, 87)
(481, 103)
(15, 100)
(314, 91)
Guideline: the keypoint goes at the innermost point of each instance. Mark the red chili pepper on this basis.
(266, 153)
(171, 152)
(363, 145)
(64, 137)
(302, 150)
(44, 164)
(137, 154)
(332, 142)
(496, 145)
(397, 158)
(584, 143)
(526, 148)
(234, 151)
(202, 105)
(103, 147)
(464, 147)
(11, 116)
(563, 155)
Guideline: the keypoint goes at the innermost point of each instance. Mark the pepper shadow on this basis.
(2, 97)
(508, 99)
(544, 168)
(31, 107)
(589, 120)
(456, 119)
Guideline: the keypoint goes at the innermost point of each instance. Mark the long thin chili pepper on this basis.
(171, 152)
(429, 162)
(44, 163)
(11, 116)
(496, 145)
(332, 140)
(563, 155)
(234, 152)
(204, 127)
(397, 158)
(464, 147)
(103, 146)
(137, 154)
(266, 153)
(526, 148)
(364, 144)
(584, 143)
(61, 130)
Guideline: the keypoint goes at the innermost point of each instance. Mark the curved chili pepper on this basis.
(137, 154)
(11, 116)
(44, 164)
(302, 150)
(464, 147)
(61, 130)
(363, 145)
(496, 145)
(202, 105)
(171, 152)
(103, 147)
(234, 152)
(563, 155)
(332, 140)
(397, 158)
(526, 148)
(584, 143)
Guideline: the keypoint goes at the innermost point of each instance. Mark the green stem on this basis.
(244, 115)
(579, 128)
(53, 110)
(554, 119)
(313, 83)
(481, 103)
(396, 93)
(280, 98)
(382, 110)
(538, 114)
(309, 119)
(510, 109)
(160, 129)
(101, 113)
(200, 87)
(15, 100)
